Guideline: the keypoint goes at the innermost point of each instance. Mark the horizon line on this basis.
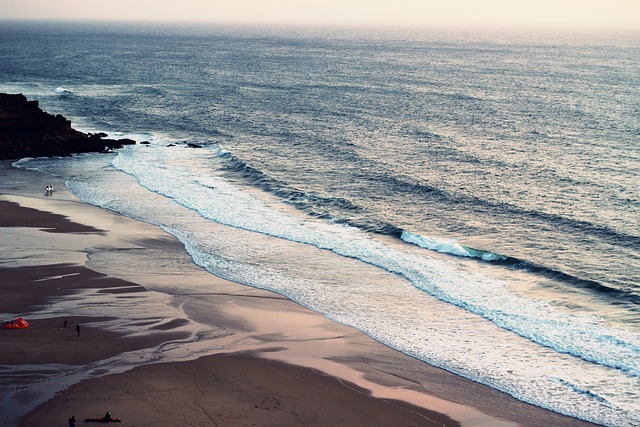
(461, 27)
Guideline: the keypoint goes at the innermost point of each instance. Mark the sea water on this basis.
(471, 200)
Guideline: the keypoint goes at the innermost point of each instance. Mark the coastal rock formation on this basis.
(27, 131)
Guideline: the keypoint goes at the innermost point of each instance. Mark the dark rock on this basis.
(192, 145)
(145, 142)
(27, 131)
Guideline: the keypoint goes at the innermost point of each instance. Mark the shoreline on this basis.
(174, 338)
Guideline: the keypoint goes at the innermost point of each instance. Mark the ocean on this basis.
(470, 199)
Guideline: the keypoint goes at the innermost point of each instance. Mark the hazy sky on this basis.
(589, 14)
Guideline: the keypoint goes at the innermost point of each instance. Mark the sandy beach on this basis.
(226, 355)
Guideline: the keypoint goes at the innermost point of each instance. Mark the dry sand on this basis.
(227, 355)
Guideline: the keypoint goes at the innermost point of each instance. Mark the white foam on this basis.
(212, 197)
(62, 91)
(467, 331)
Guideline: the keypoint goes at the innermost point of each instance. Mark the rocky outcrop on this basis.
(27, 131)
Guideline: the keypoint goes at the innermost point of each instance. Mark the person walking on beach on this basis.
(72, 421)
(78, 329)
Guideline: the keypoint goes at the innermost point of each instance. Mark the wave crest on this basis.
(63, 91)
(450, 247)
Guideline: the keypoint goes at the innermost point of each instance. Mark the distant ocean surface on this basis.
(472, 200)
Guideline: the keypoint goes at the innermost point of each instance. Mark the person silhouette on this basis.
(78, 329)
(72, 421)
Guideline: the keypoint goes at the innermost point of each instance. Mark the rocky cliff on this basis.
(27, 131)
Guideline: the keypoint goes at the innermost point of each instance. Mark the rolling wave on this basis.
(343, 211)
(452, 247)
(569, 225)
(313, 204)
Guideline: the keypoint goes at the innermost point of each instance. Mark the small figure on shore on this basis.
(48, 190)
(107, 418)
(78, 329)
(65, 323)
(72, 421)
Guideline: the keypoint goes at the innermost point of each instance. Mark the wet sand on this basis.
(225, 354)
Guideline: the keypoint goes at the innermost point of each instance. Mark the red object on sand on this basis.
(18, 324)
